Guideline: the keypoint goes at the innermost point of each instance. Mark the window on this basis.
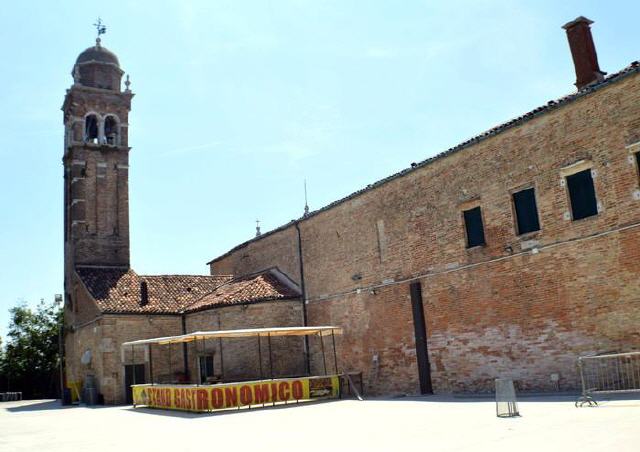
(474, 227)
(637, 154)
(205, 363)
(582, 195)
(91, 129)
(524, 203)
(111, 131)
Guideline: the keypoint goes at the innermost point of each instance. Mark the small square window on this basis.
(582, 195)
(474, 227)
(524, 203)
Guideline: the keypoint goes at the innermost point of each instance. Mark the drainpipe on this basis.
(185, 356)
(307, 364)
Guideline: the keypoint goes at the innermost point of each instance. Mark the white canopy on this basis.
(278, 331)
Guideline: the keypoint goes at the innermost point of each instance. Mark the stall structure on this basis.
(267, 390)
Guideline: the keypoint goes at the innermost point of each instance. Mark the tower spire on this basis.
(258, 228)
(306, 205)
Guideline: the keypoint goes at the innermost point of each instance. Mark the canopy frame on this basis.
(253, 332)
(258, 333)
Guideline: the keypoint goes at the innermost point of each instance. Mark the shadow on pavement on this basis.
(43, 405)
(254, 408)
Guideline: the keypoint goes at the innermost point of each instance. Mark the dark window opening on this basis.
(144, 293)
(638, 162)
(206, 368)
(582, 195)
(91, 129)
(526, 209)
(474, 227)
(111, 130)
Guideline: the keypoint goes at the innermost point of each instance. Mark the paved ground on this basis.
(430, 423)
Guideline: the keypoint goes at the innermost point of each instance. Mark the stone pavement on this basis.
(434, 423)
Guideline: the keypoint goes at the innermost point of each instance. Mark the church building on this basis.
(107, 302)
(507, 255)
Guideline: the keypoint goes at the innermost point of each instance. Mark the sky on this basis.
(238, 102)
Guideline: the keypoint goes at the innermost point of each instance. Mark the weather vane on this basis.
(100, 27)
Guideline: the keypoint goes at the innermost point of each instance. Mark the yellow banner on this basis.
(233, 395)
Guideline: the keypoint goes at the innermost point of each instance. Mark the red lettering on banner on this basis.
(203, 401)
(296, 388)
(217, 398)
(245, 395)
(283, 390)
(231, 396)
(261, 393)
(167, 397)
(274, 392)
(190, 393)
(176, 397)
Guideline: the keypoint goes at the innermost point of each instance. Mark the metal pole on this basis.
(204, 354)
(260, 357)
(60, 362)
(335, 356)
(270, 355)
(195, 347)
(133, 369)
(221, 360)
(133, 365)
(170, 366)
(324, 360)
(150, 363)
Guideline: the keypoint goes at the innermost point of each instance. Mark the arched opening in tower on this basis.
(111, 130)
(91, 129)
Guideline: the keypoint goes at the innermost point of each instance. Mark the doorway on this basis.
(133, 374)
(420, 329)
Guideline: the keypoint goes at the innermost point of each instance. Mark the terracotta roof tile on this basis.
(250, 289)
(119, 290)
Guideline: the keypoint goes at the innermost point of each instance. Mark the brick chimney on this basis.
(583, 52)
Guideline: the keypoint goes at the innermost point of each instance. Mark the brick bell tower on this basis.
(96, 164)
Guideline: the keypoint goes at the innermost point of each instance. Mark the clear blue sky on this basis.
(237, 102)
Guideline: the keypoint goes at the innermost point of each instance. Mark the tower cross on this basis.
(100, 27)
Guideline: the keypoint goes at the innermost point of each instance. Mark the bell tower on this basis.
(96, 163)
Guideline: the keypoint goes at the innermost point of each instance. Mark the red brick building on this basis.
(507, 255)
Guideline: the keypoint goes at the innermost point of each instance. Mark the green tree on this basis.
(30, 360)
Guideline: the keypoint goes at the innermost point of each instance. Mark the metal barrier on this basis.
(608, 374)
(506, 403)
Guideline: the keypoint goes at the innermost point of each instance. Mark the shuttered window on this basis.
(474, 227)
(524, 203)
(582, 195)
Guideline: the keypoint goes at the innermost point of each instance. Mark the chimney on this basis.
(583, 52)
(144, 293)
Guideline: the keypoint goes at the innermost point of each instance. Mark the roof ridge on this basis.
(187, 275)
(633, 67)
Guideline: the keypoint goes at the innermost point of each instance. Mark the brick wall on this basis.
(104, 338)
(105, 334)
(490, 311)
(240, 355)
(281, 250)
